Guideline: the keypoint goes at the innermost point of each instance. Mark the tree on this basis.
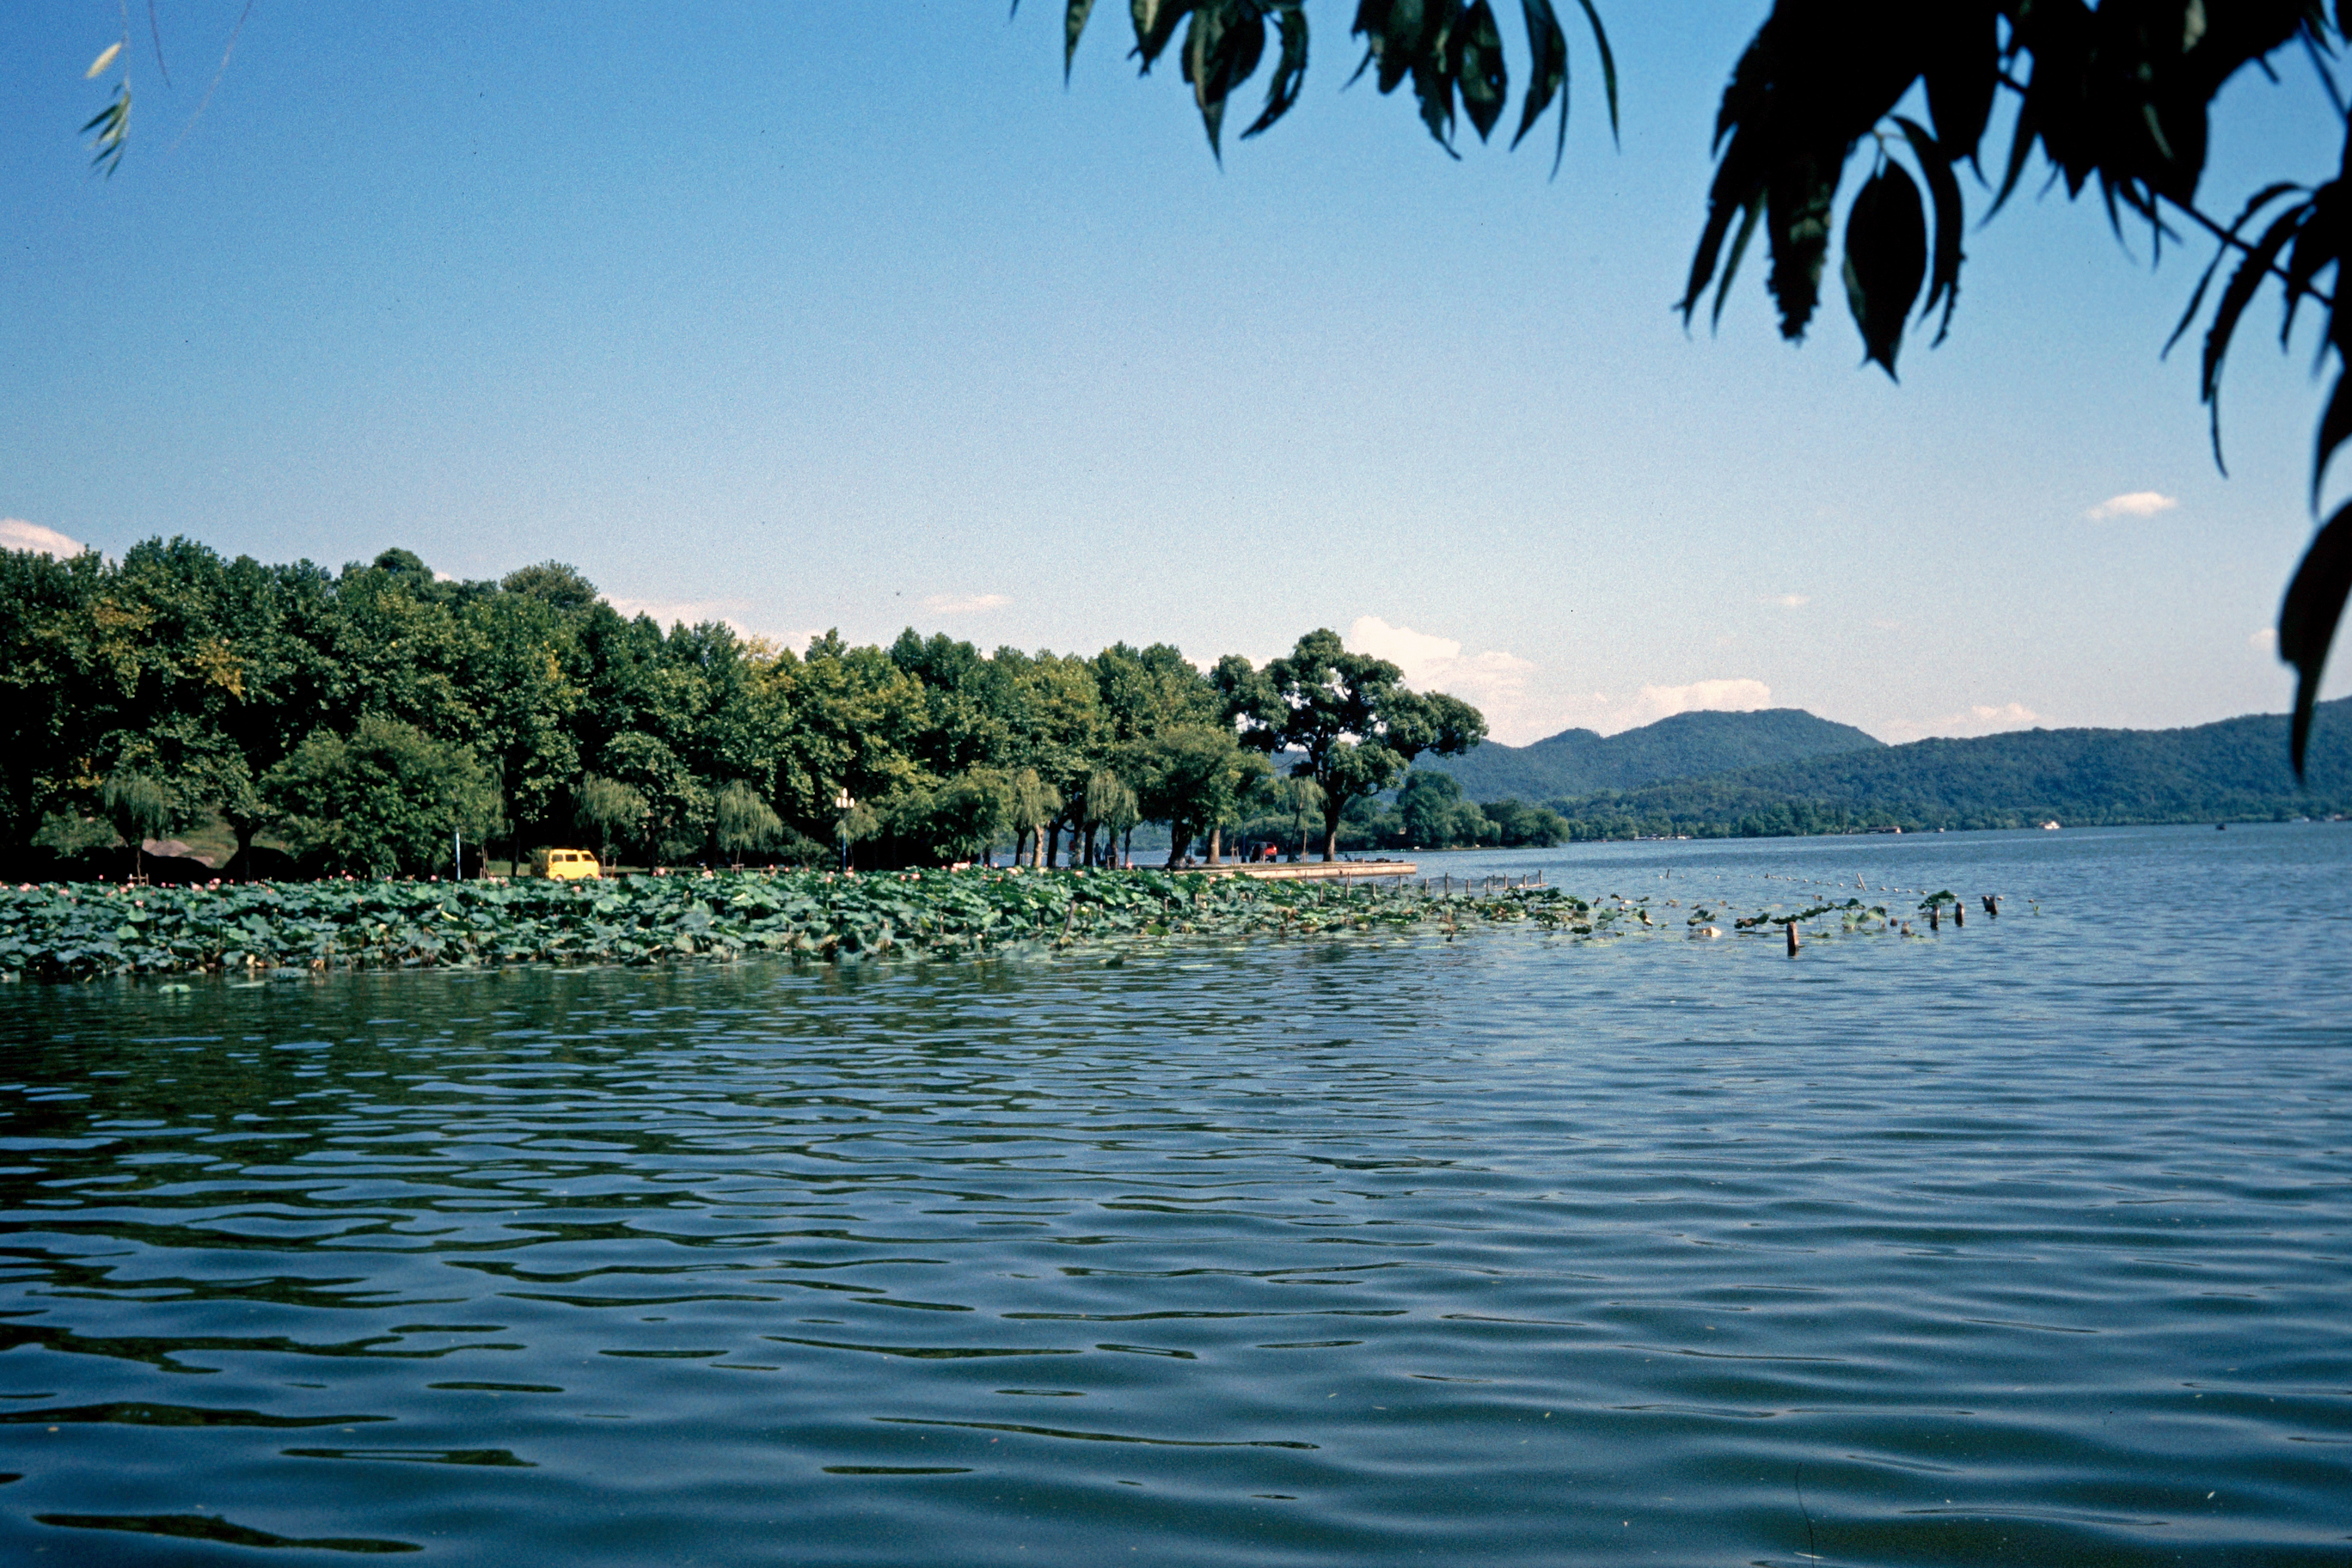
(970, 813)
(854, 719)
(140, 808)
(1303, 798)
(741, 820)
(1110, 807)
(55, 697)
(383, 801)
(678, 807)
(1195, 778)
(1143, 692)
(612, 809)
(1348, 718)
(1033, 803)
(1113, 807)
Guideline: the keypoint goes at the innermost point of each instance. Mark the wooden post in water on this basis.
(1992, 904)
(1792, 939)
(1933, 923)
(1959, 913)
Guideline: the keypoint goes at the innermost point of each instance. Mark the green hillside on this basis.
(1688, 745)
(2232, 770)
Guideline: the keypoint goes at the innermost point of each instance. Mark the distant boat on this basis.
(2050, 827)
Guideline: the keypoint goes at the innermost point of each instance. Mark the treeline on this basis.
(2235, 770)
(355, 721)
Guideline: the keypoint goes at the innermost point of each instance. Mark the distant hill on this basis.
(1688, 745)
(2235, 770)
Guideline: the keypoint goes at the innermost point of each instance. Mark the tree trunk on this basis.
(1126, 850)
(1216, 842)
(1054, 845)
(1180, 839)
(1332, 807)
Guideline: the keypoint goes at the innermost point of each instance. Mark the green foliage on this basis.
(1348, 718)
(611, 809)
(245, 690)
(1196, 779)
(743, 821)
(76, 931)
(1451, 52)
(138, 807)
(381, 800)
(2232, 770)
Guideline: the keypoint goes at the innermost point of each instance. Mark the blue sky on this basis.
(809, 316)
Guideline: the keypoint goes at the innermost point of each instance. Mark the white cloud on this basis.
(1525, 701)
(1786, 601)
(1652, 703)
(15, 533)
(2134, 503)
(1494, 681)
(965, 604)
(1980, 720)
(2265, 639)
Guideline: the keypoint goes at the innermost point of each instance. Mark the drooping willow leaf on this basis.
(2308, 619)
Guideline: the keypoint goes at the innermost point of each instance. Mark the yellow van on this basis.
(564, 864)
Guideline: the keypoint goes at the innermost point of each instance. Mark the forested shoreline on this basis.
(357, 721)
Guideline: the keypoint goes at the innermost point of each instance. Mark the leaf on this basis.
(1074, 23)
(2020, 147)
(1739, 248)
(1289, 71)
(105, 58)
(1485, 81)
(1944, 282)
(1797, 208)
(2308, 616)
(1730, 194)
(1885, 258)
(1219, 52)
(2235, 297)
(2319, 244)
(2261, 199)
(2335, 425)
(113, 124)
(1608, 67)
(1963, 74)
(1547, 73)
(1155, 24)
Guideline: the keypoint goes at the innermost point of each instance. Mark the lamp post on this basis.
(845, 805)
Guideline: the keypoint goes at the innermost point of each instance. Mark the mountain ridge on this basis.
(1578, 762)
(2228, 770)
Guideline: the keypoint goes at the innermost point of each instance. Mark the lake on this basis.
(2028, 1241)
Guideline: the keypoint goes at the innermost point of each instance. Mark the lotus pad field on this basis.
(81, 929)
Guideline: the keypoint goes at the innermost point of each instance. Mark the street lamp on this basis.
(845, 805)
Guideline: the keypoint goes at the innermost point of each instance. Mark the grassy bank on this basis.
(80, 931)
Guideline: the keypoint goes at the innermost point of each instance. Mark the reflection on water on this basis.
(2024, 1243)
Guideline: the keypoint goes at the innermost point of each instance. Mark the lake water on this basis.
(2030, 1241)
